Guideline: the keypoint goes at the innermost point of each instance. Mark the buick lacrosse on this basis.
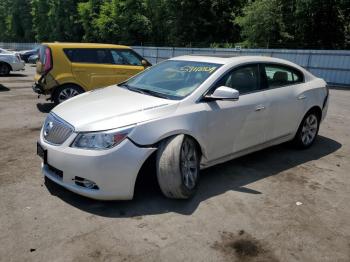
(189, 112)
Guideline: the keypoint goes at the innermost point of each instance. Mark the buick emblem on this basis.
(47, 128)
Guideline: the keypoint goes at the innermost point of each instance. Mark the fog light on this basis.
(85, 183)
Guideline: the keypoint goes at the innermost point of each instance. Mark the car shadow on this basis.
(235, 175)
(4, 88)
(45, 107)
(15, 75)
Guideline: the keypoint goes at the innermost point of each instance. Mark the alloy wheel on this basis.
(309, 130)
(189, 163)
(67, 93)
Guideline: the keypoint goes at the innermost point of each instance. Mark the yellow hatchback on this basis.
(65, 70)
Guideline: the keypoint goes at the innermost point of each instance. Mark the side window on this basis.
(282, 76)
(118, 59)
(89, 55)
(104, 56)
(245, 79)
(125, 57)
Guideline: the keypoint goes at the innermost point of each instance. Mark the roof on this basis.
(226, 59)
(85, 45)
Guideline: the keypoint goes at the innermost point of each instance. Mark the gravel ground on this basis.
(276, 205)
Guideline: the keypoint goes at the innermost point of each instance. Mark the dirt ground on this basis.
(276, 205)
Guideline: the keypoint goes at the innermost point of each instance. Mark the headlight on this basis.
(101, 140)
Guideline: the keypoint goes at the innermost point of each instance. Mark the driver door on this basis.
(234, 126)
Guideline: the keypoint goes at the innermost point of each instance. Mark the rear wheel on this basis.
(4, 69)
(308, 130)
(178, 162)
(65, 92)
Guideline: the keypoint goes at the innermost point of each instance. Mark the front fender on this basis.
(191, 124)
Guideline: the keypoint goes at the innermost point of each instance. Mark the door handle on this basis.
(79, 70)
(301, 97)
(259, 108)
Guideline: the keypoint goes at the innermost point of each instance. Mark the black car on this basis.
(28, 53)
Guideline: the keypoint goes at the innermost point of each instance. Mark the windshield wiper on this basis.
(153, 93)
(144, 91)
(131, 88)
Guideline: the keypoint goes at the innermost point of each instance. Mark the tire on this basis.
(65, 92)
(178, 169)
(4, 69)
(307, 131)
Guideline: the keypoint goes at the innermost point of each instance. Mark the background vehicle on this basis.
(65, 70)
(10, 61)
(33, 59)
(189, 112)
(25, 55)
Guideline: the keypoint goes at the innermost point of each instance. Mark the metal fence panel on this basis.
(332, 65)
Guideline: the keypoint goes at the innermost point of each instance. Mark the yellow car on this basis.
(65, 70)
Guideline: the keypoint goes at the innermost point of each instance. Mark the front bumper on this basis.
(114, 171)
(18, 66)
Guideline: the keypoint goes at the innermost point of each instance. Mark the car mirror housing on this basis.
(144, 63)
(224, 93)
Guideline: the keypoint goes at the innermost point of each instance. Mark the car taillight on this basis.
(48, 60)
(18, 57)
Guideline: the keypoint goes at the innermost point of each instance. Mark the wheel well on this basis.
(195, 140)
(5, 63)
(147, 173)
(317, 110)
(69, 84)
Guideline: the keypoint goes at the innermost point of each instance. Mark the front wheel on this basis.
(65, 92)
(307, 131)
(178, 160)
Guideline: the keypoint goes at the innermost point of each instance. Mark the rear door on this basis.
(126, 63)
(92, 67)
(282, 97)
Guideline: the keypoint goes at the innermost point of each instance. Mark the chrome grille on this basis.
(56, 130)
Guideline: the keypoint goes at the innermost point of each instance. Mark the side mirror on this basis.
(144, 63)
(224, 93)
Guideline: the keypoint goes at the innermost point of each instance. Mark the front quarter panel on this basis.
(189, 120)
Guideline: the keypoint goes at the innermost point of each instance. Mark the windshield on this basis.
(172, 79)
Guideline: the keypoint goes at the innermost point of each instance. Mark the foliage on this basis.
(203, 23)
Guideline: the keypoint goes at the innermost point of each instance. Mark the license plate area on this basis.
(40, 151)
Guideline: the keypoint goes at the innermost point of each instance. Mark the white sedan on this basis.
(10, 61)
(190, 112)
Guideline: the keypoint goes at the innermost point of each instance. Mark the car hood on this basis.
(112, 107)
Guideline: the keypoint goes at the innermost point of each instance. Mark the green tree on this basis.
(40, 13)
(63, 19)
(19, 20)
(203, 21)
(318, 24)
(88, 14)
(262, 24)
